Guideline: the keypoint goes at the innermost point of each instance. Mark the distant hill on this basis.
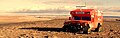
(111, 16)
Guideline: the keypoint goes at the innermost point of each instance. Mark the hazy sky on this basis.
(7, 5)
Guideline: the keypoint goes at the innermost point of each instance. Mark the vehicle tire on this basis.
(72, 29)
(85, 30)
(65, 28)
(98, 28)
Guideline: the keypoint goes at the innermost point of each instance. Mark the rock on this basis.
(55, 37)
(21, 37)
(46, 36)
(97, 34)
(22, 34)
(117, 19)
(49, 31)
(111, 30)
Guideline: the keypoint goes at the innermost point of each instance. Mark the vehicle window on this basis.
(86, 18)
(77, 18)
(87, 12)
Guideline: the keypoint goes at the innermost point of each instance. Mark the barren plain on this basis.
(50, 27)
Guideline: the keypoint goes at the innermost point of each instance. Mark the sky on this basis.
(14, 5)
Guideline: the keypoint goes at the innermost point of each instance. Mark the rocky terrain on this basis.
(52, 29)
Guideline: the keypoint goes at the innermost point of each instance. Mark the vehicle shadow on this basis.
(45, 29)
(48, 29)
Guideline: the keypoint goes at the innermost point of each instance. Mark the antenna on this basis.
(80, 6)
(85, 3)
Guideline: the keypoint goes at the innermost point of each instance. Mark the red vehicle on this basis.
(84, 20)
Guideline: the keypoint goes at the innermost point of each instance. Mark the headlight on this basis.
(92, 16)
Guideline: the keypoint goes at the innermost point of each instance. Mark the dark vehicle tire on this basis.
(65, 28)
(98, 28)
(72, 28)
(85, 30)
(69, 28)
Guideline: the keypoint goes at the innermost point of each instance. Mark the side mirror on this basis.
(70, 18)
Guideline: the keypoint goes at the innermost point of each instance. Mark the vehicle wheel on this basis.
(65, 28)
(72, 29)
(85, 30)
(98, 28)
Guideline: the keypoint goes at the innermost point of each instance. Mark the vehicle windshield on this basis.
(82, 18)
(77, 18)
(86, 18)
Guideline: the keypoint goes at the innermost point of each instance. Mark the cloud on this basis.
(63, 2)
(75, 2)
(42, 11)
(48, 4)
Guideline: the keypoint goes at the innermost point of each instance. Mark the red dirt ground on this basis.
(52, 29)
